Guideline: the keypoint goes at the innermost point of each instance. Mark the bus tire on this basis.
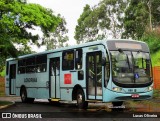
(30, 100)
(81, 103)
(23, 94)
(117, 103)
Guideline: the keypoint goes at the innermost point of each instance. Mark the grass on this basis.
(151, 103)
(156, 94)
(2, 103)
(155, 58)
(3, 72)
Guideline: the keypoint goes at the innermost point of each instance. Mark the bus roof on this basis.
(75, 46)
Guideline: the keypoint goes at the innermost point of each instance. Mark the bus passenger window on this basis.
(68, 60)
(30, 65)
(78, 59)
(41, 63)
(22, 66)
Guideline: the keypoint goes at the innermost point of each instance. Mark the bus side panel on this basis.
(66, 84)
(39, 88)
(19, 83)
(39, 93)
(66, 94)
(17, 91)
(36, 84)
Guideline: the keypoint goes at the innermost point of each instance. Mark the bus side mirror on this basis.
(103, 61)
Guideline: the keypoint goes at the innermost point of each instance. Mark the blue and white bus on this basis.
(103, 71)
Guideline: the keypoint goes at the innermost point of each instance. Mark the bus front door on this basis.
(94, 75)
(12, 79)
(55, 77)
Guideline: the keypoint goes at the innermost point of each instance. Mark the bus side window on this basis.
(30, 65)
(22, 66)
(78, 59)
(68, 60)
(41, 63)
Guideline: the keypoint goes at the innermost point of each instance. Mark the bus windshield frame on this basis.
(131, 66)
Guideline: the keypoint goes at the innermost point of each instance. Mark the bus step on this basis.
(55, 99)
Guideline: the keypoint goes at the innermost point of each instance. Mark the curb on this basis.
(6, 106)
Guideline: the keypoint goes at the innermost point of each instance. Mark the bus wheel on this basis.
(23, 95)
(117, 103)
(30, 100)
(81, 103)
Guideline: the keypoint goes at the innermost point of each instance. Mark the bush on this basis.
(152, 38)
(156, 94)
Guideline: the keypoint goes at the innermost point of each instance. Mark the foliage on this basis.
(140, 15)
(101, 21)
(2, 62)
(2, 73)
(156, 93)
(155, 10)
(3, 103)
(153, 39)
(111, 18)
(155, 58)
(16, 19)
(113, 13)
(58, 38)
(82, 30)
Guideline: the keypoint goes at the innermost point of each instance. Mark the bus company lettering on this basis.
(67, 79)
(30, 79)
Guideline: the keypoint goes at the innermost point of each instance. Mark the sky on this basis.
(69, 9)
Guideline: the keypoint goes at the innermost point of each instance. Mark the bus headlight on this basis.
(150, 88)
(117, 89)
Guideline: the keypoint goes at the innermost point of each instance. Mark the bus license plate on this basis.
(135, 95)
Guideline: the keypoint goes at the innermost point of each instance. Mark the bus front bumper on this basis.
(112, 96)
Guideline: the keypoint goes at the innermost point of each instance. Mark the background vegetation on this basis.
(18, 23)
(130, 19)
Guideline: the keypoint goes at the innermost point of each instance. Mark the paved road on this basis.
(41, 108)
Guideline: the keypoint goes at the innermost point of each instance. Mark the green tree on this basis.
(152, 38)
(82, 30)
(59, 37)
(101, 21)
(111, 22)
(16, 19)
(140, 16)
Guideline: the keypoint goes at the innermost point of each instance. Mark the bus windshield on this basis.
(131, 67)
